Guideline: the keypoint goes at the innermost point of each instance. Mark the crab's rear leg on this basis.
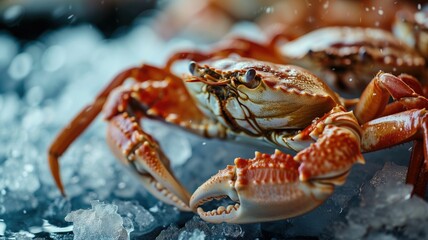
(407, 94)
(411, 125)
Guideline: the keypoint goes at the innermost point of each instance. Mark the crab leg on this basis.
(404, 89)
(158, 95)
(399, 128)
(407, 94)
(278, 186)
(417, 174)
(80, 122)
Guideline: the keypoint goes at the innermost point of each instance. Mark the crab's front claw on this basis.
(157, 178)
(143, 155)
(265, 188)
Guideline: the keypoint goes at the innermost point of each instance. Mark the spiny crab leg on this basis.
(279, 186)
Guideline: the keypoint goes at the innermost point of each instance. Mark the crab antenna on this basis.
(78, 125)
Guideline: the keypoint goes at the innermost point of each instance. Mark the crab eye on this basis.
(192, 67)
(249, 79)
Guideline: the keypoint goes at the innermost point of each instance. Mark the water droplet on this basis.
(121, 185)
(71, 18)
(8, 49)
(380, 11)
(34, 96)
(204, 143)
(419, 6)
(53, 58)
(269, 10)
(12, 14)
(28, 167)
(325, 5)
(21, 66)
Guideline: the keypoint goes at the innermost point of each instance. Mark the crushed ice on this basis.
(100, 222)
(386, 210)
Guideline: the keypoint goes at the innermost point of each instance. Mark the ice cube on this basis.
(386, 210)
(227, 230)
(172, 232)
(100, 222)
(391, 173)
(196, 228)
(164, 214)
(196, 234)
(142, 220)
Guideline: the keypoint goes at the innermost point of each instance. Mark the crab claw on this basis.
(265, 188)
(142, 154)
(157, 178)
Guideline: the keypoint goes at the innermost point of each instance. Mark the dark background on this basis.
(27, 19)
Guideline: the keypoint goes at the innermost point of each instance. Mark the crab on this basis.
(242, 99)
(412, 28)
(346, 58)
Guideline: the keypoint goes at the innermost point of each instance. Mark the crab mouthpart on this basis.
(220, 186)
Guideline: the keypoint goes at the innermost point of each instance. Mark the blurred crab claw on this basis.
(142, 154)
(265, 188)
